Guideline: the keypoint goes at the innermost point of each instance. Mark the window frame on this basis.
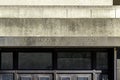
(54, 52)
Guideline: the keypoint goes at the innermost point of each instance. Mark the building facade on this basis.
(59, 40)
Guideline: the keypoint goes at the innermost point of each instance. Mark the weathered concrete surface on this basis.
(59, 41)
(103, 13)
(59, 12)
(56, 2)
(59, 27)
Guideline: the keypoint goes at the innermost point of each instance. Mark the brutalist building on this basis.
(59, 40)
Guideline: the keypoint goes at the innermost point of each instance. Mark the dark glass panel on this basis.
(74, 60)
(25, 78)
(6, 60)
(7, 77)
(82, 78)
(35, 60)
(65, 78)
(102, 77)
(102, 60)
(44, 78)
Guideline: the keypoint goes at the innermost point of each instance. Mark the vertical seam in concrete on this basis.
(66, 12)
(18, 12)
(91, 13)
(42, 11)
(115, 13)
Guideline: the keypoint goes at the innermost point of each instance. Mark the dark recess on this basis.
(116, 2)
(118, 53)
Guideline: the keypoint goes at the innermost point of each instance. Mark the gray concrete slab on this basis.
(60, 41)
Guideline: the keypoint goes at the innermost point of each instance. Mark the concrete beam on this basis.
(59, 27)
(59, 41)
(56, 2)
(59, 12)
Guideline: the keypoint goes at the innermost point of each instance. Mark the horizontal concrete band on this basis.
(56, 2)
(59, 12)
(60, 41)
(59, 27)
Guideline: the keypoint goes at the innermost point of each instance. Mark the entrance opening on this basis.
(57, 64)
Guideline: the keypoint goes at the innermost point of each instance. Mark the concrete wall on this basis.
(59, 12)
(59, 27)
(56, 2)
(59, 42)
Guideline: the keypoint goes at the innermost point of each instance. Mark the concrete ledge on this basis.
(56, 2)
(60, 41)
(59, 12)
(103, 13)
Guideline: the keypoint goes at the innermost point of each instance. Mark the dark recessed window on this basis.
(6, 60)
(102, 60)
(74, 60)
(57, 60)
(35, 60)
(102, 77)
(6, 76)
(118, 53)
(116, 2)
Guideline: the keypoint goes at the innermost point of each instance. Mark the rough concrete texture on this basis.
(59, 27)
(103, 13)
(59, 12)
(59, 41)
(56, 2)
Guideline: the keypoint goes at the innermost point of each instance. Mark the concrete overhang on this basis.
(59, 11)
(59, 41)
